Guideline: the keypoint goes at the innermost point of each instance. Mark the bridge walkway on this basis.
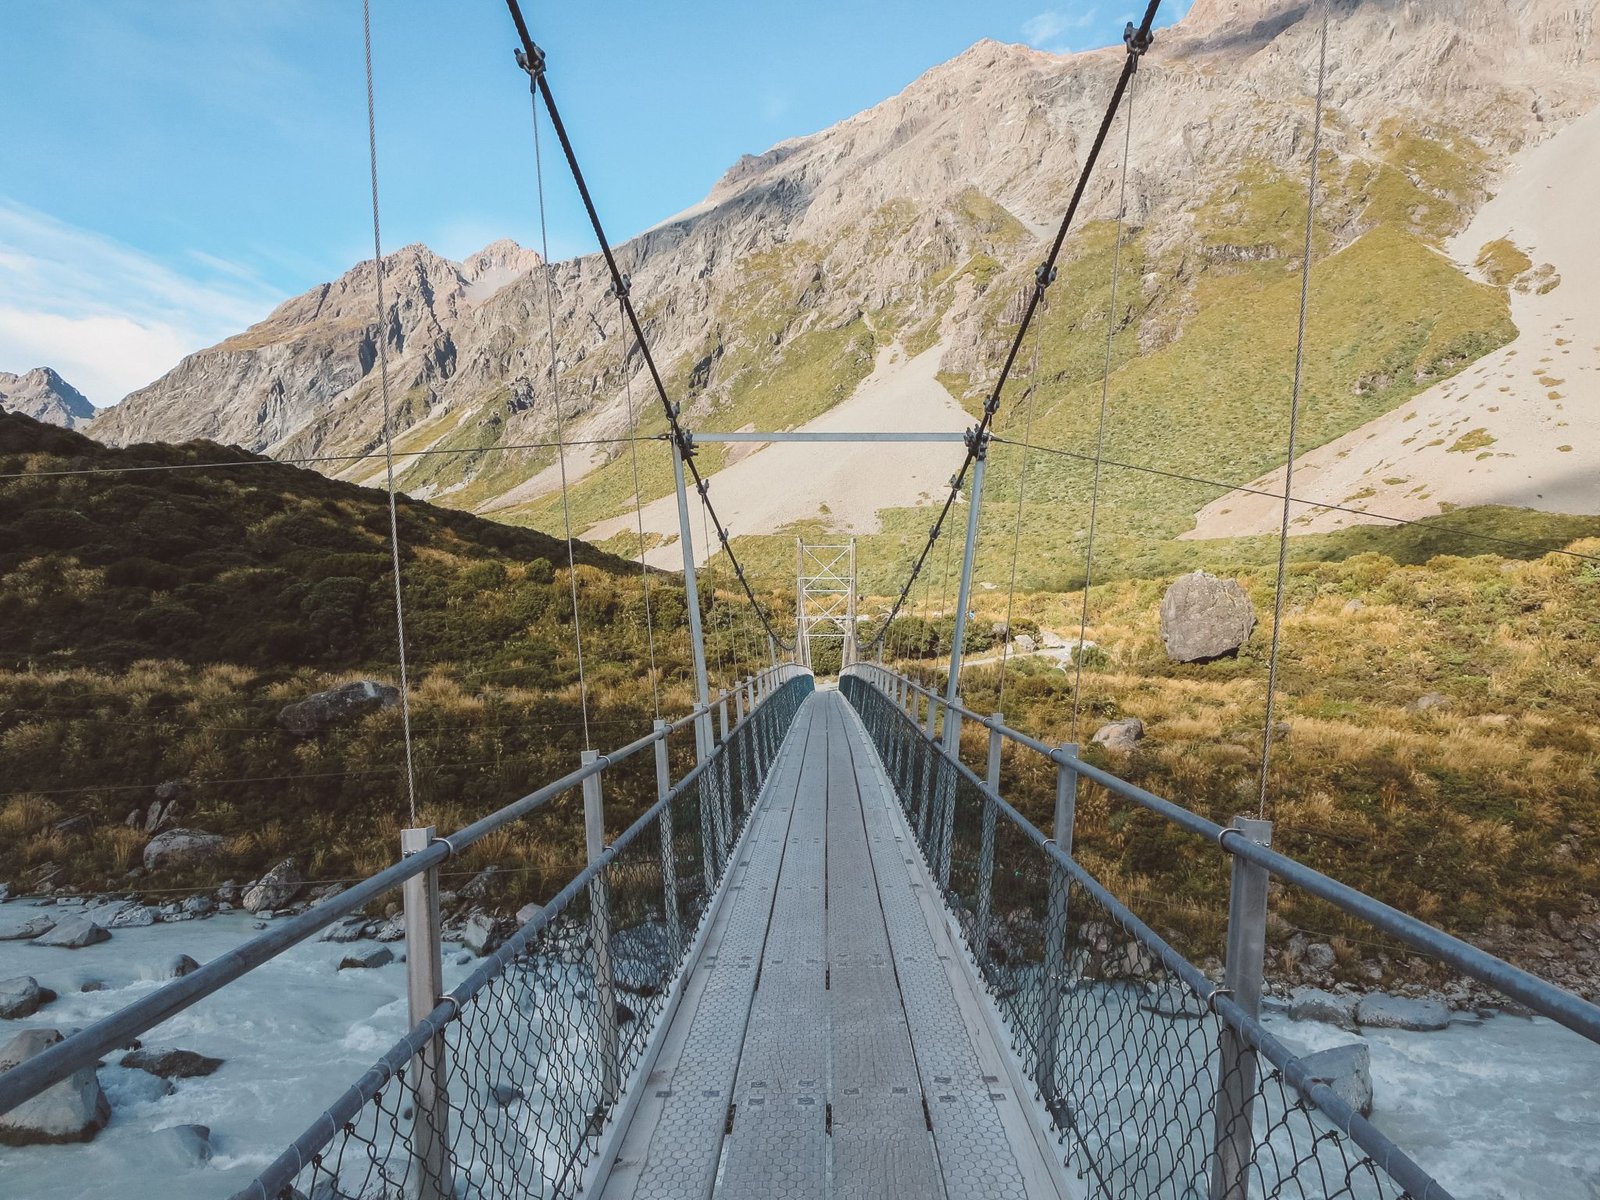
(830, 1041)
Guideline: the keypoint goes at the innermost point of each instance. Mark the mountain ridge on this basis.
(42, 394)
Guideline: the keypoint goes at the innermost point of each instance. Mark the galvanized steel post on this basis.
(1055, 950)
(691, 597)
(927, 754)
(726, 771)
(594, 832)
(986, 843)
(948, 779)
(669, 849)
(1234, 1139)
(964, 591)
(424, 985)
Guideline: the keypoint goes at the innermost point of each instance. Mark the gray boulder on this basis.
(73, 1110)
(337, 706)
(181, 847)
(392, 930)
(481, 934)
(1348, 1071)
(200, 905)
(22, 997)
(74, 934)
(135, 916)
(1314, 1004)
(186, 1145)
(528, 912)
(180, 966)
(22, 931)
(1121, 735)
(350, 929)
(1382, 1011)
(375, 956)
(1203, 617)
(275, 889)
(1024, 644)
(170, 1064)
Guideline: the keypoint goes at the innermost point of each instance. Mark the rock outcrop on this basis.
(45, 396)
(337, 706)
(1121, 736)
(275, 889)
(181, 847)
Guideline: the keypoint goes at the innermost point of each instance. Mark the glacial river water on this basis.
(1508, 1108)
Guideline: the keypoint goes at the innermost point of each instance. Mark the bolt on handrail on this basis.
(1540, 995)
(89, 1045)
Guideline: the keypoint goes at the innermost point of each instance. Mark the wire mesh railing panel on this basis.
(505, 1089)
(1158, 1085)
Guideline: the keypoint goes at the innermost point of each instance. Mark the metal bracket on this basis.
(1137, 43)
(977, 440)
(533, 66)
(1044, 275)
(621, 287)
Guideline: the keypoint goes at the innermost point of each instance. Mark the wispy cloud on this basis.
(1049, 30)
(108, 317)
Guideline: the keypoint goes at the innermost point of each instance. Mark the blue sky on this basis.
(173, 170)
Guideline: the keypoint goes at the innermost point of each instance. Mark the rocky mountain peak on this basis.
(45, 396)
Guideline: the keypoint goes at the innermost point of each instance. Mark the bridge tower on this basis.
(825, 598)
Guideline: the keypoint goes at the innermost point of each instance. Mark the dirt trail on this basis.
(1521, 426)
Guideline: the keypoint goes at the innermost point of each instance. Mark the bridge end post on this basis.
(430, 1140)
(1234, 1142)
(669, 849)
(594, 832)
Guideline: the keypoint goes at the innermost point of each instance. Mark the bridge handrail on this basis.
(86, 1047)
(1539, 995)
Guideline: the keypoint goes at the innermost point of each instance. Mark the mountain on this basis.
(45, 396)
(899, 243)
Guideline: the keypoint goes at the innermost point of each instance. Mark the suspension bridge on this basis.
(832, 958)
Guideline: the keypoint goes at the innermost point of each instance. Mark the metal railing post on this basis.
(948, 780)
(1055, 949)
(986, 844)
(669, 849)
(925, 784)
(1236, 1068)
(726, 769)
(594, 832)
(424, 985)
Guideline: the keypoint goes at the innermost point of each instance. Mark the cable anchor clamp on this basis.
(533, 63)
(1137, 42)
(621, 287)
(977, 439)
(1044, 275)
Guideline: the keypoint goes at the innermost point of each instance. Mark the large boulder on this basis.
(1121, 735)
(373, 956)
(134, 916)
(181, 847)
(1382, 1011)
(170, 1063)
(1203, 617)
(73, 1110)
(482, 934)
(337, 706)
(74, 934)
(1347, 1070)
(22, 997)
(22, 931)
(1314, 1004)
(275, 889)
(185, 1145)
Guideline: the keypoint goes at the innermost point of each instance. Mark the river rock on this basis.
(392, 930)
(125, 1086)
(74, 934)
(350, 929)
(1382, 1011)
(479, 885)
(186, 1145)
(337, 706)
(200, 905)
(374, 956)
(181, 847)
(1121, 735)
(1203, 617)
(180, 966)
(22, 997)
(275, 889)
(1024, 644)
(528, 912)
(1348, 1071)
(23, 931)
(170, 1063)
(1314, 1004)
(73, 1110)
(481, 934)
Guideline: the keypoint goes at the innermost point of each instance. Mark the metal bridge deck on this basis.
(830, 1041)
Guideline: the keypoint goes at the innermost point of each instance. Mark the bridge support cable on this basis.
(638, 513)
(532, 60)
(381, 337)
(1105, 410)
(1294, 418)
(1137, 39)
(1031, 395)
(561, 452)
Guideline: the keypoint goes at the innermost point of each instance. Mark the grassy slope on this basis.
(152, 624)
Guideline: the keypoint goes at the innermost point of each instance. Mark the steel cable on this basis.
(638, 511)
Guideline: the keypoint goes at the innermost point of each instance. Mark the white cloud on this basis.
(108, 317)
(1045, 31)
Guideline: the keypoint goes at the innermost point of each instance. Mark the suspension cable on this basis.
(561, 453)
(1137, 39)
(388, 432)
(1031, 394)
(532, 60)
(1105, 408)
(638, 512)
(1294, 418)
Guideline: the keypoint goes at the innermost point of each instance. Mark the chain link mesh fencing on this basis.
(505, 1089)
(1157, 1083)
